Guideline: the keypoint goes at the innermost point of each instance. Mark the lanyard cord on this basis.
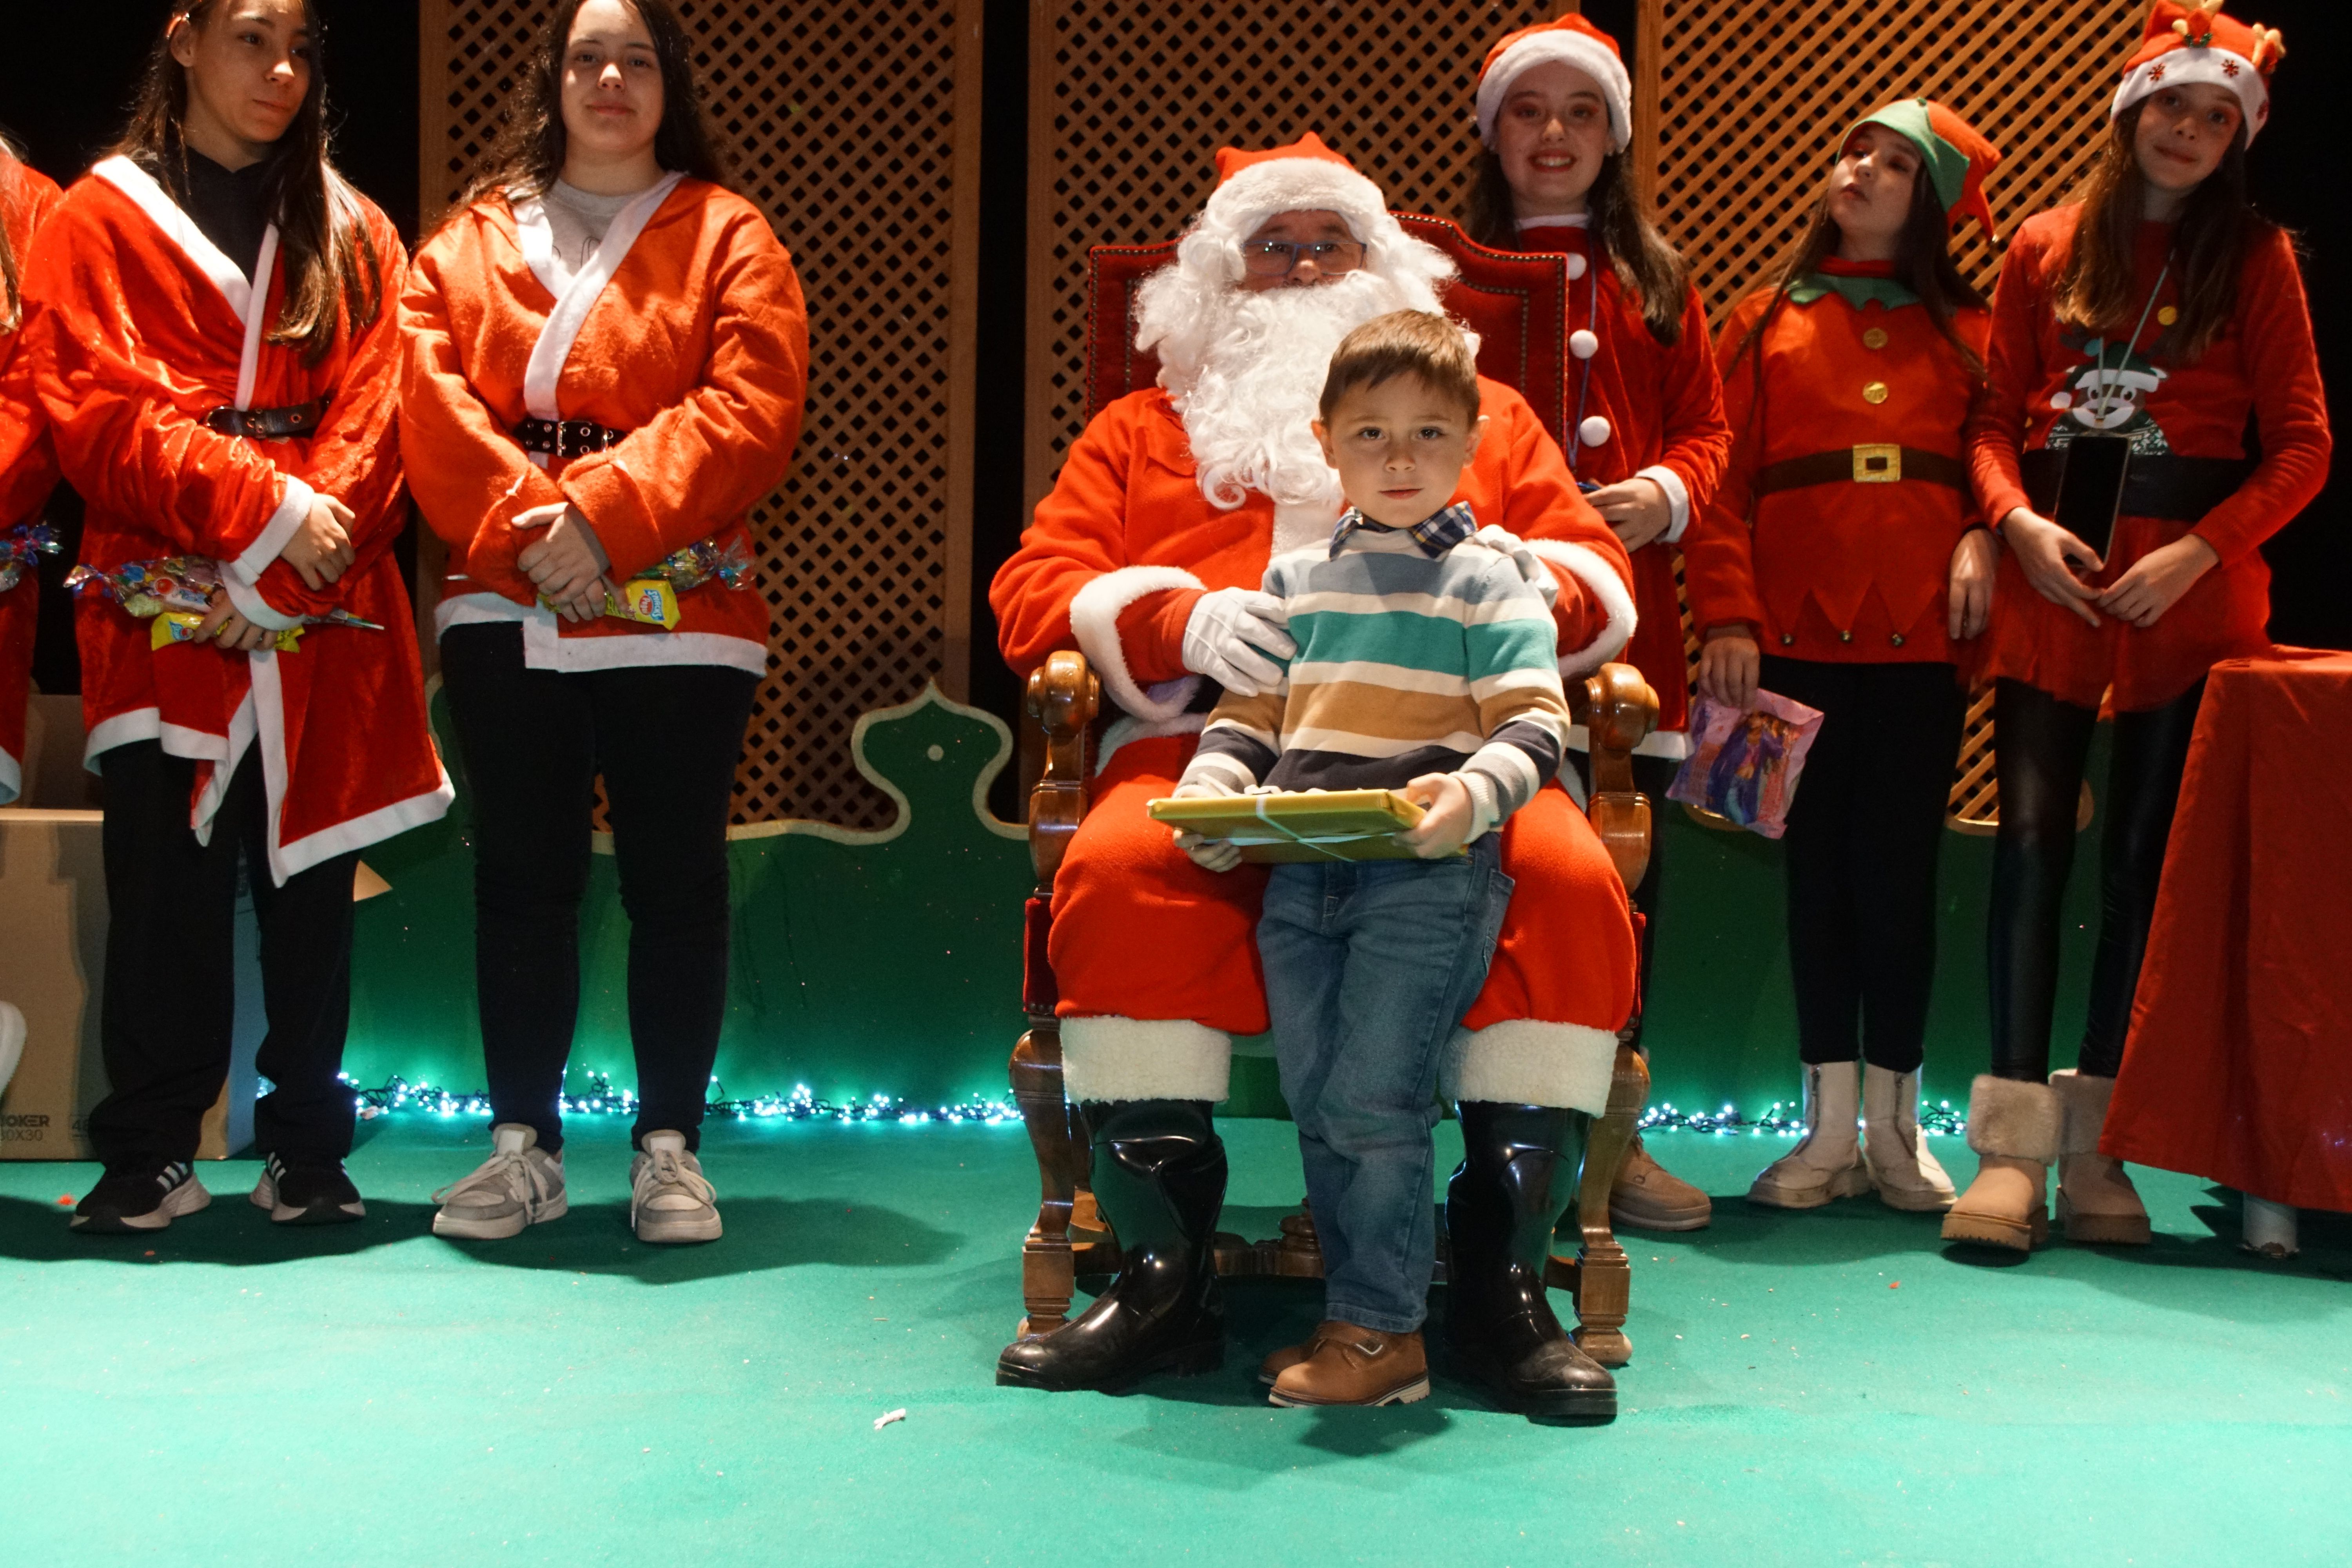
(2101, 380)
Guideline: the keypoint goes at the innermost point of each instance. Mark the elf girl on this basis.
(605, 367)
(2155, 311)
(211, 323)
(1843, 566)
(1647, 436)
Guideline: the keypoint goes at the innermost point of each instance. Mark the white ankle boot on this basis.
(1828, 1163)
(1901, 1166)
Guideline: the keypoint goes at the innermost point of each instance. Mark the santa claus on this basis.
(1147, 557)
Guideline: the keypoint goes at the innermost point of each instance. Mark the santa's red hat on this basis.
(1570, 41)
(2198, 44)
(1957, 155)
(1306, 176)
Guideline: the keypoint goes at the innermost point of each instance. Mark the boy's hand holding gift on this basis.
(1453, 816)
(1209, 854)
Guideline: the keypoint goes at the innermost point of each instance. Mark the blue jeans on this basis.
(1369, 967)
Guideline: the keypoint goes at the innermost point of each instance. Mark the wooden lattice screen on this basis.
(1742, 104)
(855, 126)
(1130, 100)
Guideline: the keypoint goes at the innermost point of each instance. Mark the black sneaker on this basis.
(146, 1197)
(308, 1191)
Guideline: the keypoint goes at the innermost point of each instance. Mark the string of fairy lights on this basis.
(603, 1098)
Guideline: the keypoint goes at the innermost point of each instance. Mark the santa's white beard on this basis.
(1246, 371)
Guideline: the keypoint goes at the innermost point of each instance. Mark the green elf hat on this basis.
(1958, 156)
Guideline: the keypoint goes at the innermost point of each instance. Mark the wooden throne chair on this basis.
(1514, 302)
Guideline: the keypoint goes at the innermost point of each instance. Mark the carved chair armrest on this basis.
(1618, 711)
(1063, 696)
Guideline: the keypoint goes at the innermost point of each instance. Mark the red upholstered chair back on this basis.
(1514, 300)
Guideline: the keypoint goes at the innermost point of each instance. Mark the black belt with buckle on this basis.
(271, 423)
(566, 438)
(2157, 484)
(1872, 463)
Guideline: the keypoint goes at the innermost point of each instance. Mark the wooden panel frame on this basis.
(855, 126)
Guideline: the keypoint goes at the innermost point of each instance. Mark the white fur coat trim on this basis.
(1109, 1058)
(1600, 580)
(1095, 610)
(1523, 1061)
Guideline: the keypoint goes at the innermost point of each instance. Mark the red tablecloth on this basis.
(2240, 1061)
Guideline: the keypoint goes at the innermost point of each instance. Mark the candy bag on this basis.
(17, 548)
(1744, 766)
(176, 582)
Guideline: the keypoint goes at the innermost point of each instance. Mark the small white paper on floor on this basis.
(886, 1418)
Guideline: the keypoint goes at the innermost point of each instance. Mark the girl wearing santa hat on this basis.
(2135, 331)
(28, 471)
(1843, 566)
(1646, 437)
(607, 359)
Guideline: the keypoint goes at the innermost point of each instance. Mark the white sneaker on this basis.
(1828, 1163)
(1905, 1172)
(519, 1184)
(668, 1199)
(12, 1043)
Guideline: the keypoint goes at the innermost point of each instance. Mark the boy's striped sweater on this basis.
(1406, 665)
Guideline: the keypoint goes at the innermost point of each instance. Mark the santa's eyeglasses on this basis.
(1280, 257)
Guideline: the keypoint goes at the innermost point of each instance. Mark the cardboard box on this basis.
(53, 959)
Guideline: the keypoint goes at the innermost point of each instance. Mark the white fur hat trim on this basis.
(1562, 48)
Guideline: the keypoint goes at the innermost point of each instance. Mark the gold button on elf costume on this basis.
(1875, 338)
(1876, 392)
(2166, 316)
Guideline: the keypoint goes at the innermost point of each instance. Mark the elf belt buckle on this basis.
(1877, 463)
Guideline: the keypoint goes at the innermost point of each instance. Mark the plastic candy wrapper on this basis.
(1743, 766)
(17, 548)
(651, 598)
(183, 584)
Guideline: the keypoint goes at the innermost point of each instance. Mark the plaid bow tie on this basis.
(1436, 533)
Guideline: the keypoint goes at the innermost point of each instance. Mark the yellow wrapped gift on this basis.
(1298, 824)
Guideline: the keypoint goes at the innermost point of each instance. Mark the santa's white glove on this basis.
(1230, 633)
(1209, 854)
(1531, 566)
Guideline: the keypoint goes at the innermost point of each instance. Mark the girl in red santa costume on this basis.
(1647, 436)
(2135, 331)
(1147, 557)
(606, 362)
(1843, 565)
(211, 323)
(28, 471)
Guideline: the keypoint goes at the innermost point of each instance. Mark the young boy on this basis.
(1425, 665)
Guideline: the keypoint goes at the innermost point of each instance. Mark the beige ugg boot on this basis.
(1828, 1163)
(1907, 1175)
(2014, 1128)
(2096, 1201)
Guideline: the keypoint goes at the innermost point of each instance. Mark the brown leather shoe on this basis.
(1355, 1365)
(1648, 1196)
(1272, 1368)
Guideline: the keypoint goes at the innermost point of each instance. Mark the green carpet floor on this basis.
(1828, 1388)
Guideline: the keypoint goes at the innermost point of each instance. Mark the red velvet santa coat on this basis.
(28, 470)
(1112, 564)
(1841, 572)
(143, 328)
(685, 330)
(1663, 403)
(2263, 363)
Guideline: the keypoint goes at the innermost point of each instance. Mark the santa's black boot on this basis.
(1160, 1179)
(1519, 1166)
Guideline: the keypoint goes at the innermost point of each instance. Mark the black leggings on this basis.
(1865, 831)
(2040, 745)
(666, 739)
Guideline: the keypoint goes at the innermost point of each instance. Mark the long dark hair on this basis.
(1647, 267)
(2096, 292)
(1922, 262)
(329, 258)
(11, 188)
(530, 151)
